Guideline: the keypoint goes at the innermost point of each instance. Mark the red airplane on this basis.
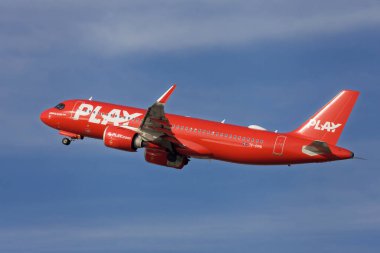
(170, 140)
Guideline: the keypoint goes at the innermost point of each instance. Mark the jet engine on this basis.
(122, 138)
(160, 157)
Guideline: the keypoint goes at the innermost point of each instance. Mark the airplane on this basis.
(171, 140)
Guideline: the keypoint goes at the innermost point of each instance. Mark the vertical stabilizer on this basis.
(328, 123)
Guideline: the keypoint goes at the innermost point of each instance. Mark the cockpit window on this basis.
(60, 106)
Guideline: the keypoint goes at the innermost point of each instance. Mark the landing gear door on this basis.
(278, 148)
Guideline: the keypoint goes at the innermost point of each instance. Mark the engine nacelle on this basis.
(160, 157)
(122, 138)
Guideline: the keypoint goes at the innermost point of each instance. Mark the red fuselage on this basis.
(199, 138)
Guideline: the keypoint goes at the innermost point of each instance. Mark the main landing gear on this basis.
(172, 157)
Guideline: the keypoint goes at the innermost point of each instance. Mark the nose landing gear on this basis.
(66, 141)
(72, 136)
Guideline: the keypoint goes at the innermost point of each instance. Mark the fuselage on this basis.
(199, 138)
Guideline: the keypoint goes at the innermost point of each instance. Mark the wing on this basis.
(155, 127)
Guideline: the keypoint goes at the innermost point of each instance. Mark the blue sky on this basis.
(271, 63)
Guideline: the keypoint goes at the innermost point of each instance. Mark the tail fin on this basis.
(327, 124)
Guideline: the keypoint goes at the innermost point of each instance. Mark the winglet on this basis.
(166, 95)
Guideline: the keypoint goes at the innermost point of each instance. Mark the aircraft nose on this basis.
(44, 117)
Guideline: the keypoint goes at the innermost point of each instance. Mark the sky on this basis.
(271, 63)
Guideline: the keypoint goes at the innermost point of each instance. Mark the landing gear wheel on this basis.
(172, 157)
(66, 141)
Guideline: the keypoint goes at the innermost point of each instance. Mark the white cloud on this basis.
(119, 27)
(164, 29)
(195, 233)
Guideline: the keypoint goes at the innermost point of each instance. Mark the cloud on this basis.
(120, 27)
(163, 28)
(196, 232)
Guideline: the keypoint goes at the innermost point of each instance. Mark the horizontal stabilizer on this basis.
(316, 148)
(256, 127)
